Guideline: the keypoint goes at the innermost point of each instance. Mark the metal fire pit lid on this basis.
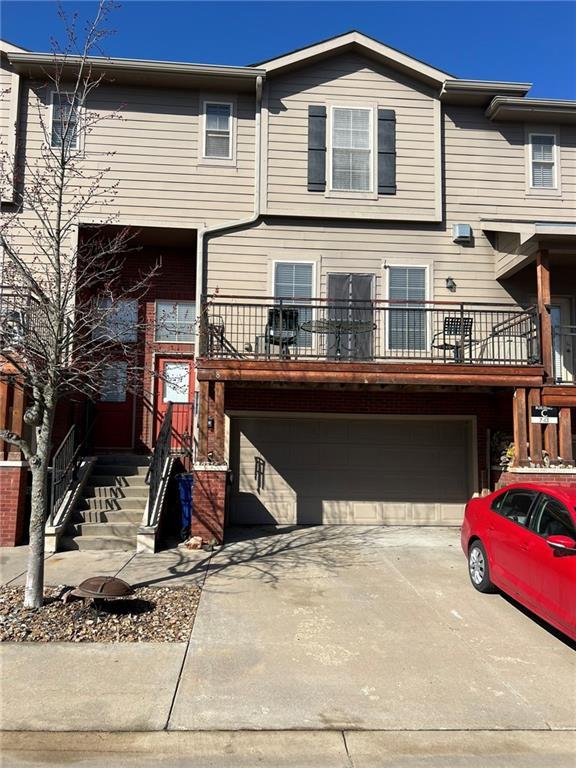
(104, 587)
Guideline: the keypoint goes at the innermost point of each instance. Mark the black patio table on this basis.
(338, 328)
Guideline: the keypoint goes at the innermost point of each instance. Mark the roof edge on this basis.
(514, 108)
(22, 59)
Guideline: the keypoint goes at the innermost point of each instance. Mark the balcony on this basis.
(340, 332)
(18, 314)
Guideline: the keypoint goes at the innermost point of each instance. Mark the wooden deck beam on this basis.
(369, 373)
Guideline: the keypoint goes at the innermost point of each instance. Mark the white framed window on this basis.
(118, 320)
(217, 140)
(543, 165)
(351, 144)
(175, 321)
(295, 280)
(64, 120)
(407, 323)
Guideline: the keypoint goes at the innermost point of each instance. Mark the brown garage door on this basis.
(350, 471)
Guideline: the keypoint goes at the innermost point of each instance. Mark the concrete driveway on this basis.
(365, 628)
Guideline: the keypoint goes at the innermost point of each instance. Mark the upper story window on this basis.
(175, 321)
(543, 161)
(65, 119)
(352, 149)
(118, 320)
(217, 130)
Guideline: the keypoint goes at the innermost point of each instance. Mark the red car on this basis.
(522, 540)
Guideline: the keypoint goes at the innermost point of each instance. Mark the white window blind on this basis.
(65, 110)
(294, 281)
(407, 323)
(175, 321)
(351, 149)
(543, 163)
(119, 320)
(217, 141)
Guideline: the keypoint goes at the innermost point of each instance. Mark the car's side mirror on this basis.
(561, 542)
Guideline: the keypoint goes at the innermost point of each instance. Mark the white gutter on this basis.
(204, 233)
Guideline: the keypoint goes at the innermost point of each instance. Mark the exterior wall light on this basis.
(451, 284)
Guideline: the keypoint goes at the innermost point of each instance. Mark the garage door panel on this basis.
(350, 471)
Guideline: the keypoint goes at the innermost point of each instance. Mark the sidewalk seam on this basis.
(348, 755)
(185, 655)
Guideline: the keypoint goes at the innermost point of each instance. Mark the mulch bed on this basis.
(151, 614)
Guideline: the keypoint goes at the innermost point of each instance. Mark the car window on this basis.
(515, 505)
(551, 518)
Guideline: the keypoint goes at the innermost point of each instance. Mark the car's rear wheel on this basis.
(478, 568)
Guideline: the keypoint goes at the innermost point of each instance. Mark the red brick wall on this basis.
(209, 499)
(556, 478)
(13, 482)
(492, 410)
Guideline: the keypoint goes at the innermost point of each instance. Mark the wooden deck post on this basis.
(520, 428)
(219, 422)
(203, 408)
(544, 300)
(551, 442)
(565, 436)
(534, 430)
(17, 418)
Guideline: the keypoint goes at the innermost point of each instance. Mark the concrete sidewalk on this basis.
(292, 749)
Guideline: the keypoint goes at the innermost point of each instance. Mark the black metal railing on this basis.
(156, 471)
(437, 332)
(564, 354)
(67, 458)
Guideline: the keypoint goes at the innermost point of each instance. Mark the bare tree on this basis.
(58, 337)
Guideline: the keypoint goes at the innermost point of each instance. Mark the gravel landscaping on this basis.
(151, 614)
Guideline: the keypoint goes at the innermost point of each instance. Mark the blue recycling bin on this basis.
(185, 483)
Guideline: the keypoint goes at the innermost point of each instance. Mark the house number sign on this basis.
(543, 414)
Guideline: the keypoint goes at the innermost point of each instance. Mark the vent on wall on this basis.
(462, 233)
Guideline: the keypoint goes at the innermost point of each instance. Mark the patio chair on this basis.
(281, 329)
(456, 334)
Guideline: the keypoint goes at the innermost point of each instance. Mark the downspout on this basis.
(206, 232)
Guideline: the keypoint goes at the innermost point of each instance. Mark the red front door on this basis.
(175, 384)
(114, 424)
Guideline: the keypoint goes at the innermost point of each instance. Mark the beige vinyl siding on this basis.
(148, 143)
(355, 81)
(487, 172)
(8, 112)
(240, 263)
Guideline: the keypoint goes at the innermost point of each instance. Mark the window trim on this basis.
(428, 293)
(203, 158)
(79, 143)
(531, 190)
(174, 302)
(372, 193)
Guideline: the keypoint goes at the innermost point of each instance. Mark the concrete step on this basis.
(124, 544)
(124, 459)
(133, 481)
(118, 530)
(122, 470)
(116, 491)
(107, 516)
(130, 504)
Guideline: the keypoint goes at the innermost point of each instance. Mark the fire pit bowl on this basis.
(103, 588)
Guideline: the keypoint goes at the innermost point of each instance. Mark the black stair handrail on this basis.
(160, 455)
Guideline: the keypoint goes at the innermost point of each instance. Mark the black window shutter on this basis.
(316, 148)
(386, 152)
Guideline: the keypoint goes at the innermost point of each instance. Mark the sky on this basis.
(518, 41)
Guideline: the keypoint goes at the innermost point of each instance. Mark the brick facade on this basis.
(13, 483)
(566, 477)
(209, 504)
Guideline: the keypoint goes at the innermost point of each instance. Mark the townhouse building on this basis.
(369, 270)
